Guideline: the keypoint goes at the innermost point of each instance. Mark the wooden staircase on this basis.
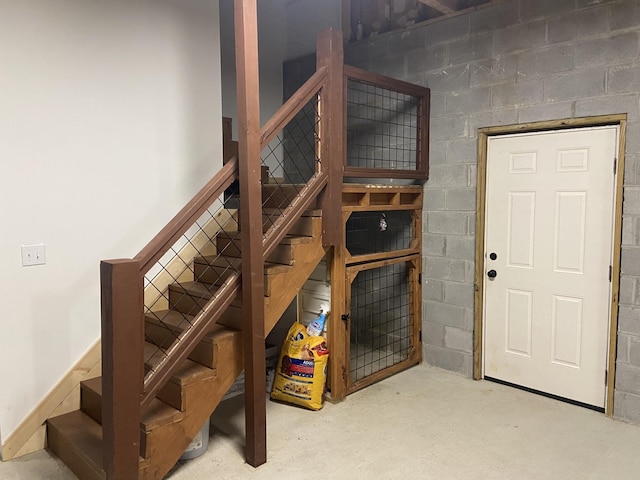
(182, 406)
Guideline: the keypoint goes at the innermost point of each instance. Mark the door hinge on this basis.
(420, 336)
(606, 376)
(615, 165)
(610, 272)
(420, 278)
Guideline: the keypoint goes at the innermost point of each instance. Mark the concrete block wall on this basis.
(513, 62)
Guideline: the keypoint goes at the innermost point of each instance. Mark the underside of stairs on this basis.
(185, 403)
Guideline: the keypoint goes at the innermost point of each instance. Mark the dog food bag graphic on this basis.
(302, 369)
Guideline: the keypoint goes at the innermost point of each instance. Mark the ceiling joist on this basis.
(439, 5)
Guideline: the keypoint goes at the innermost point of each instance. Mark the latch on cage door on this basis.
(345, 317)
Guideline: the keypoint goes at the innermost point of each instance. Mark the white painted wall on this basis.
(110, 120)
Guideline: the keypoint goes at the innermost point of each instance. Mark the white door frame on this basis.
(483, 135)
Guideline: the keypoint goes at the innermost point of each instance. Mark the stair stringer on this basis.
(167, 443)
(206, 395)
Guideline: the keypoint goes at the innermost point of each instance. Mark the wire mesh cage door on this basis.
(384, 319)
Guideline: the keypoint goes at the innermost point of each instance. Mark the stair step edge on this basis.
(156, 414)
(163, 318)
(287, 240)
(187, 373)
(77, 439)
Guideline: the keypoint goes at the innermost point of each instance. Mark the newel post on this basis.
(333, 134)
(246, 34)
(122, 366)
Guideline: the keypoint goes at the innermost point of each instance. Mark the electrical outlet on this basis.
(33, 255)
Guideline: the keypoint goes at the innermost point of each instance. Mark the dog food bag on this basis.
(302, 369)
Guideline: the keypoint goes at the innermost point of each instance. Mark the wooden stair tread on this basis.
(187, 373)
(235, 263)
(94, 384)
(313, 212)
(77, 439)
(287, 240)
(156, 414)
(198, 289)
(173, 320)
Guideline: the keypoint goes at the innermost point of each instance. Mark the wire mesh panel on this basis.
(291, 159)
(186, 277)
(208, 255)
(382, 127)
(381, 309)
(375, 232)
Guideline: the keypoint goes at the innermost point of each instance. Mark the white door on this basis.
(548, 240)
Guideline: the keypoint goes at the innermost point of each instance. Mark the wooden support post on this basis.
(122, 366)
(332, 132)
(246, 34)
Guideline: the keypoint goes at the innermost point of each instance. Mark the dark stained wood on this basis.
(337, 328)
(370, 257)
(387, 82)
(122, 366)
(424, 116)
(332, 132)
(292, 213)
(246, 33)
(202, 323)
(362, 172)
(186, 217)
(77, 440)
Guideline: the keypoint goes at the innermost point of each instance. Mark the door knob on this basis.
(492, 274)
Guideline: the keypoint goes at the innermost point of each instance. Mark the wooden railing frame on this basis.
(122, 366)
(186, 217)
(333, 141)
(421, 171)
(253, 337)
(293, 106)
(126, 390)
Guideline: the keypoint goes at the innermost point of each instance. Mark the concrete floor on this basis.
(423, 423)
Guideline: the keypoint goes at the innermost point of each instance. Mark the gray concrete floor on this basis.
(423, 423)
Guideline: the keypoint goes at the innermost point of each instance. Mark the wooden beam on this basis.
(439, 5)
(249, 173)
(332, 132)
(122, 366)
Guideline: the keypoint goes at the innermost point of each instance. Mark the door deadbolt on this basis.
(493, 256)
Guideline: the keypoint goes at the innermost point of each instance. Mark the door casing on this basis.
(483, 135)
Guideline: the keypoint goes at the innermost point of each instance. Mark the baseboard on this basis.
(30, 435)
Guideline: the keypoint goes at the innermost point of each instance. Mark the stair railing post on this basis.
(246, 35)
(122, 366)
(332, 133)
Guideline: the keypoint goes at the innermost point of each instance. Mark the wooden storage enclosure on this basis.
(377, 284)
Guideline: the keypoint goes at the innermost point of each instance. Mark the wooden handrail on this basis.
(292, 106)
(382, 81)
(186, 217)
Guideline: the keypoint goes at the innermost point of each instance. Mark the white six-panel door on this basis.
(549, 226)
